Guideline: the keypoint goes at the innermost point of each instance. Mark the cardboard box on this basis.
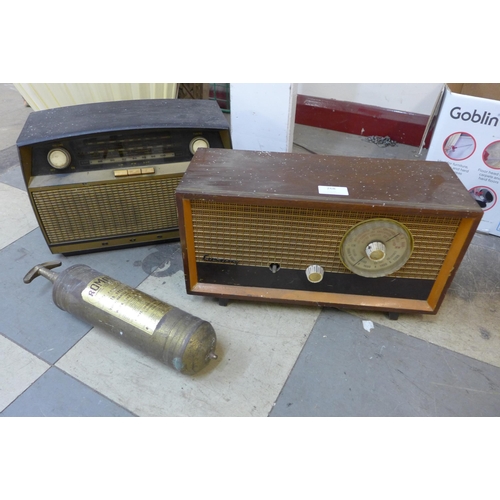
(467, 136)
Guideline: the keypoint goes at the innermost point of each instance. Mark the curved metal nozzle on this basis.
(43, 270)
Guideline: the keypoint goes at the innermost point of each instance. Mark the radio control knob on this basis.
(315, 273)
(59, 158)
(375, 251)
(197, 143)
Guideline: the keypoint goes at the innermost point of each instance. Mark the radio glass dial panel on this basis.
(376, 247)
(116, 150)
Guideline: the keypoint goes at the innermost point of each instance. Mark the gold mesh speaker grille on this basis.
(296, 237)
(107, 210)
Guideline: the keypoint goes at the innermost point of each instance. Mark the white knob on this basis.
(375, 251)
(315, 273)
(197, 143)
(59, 158)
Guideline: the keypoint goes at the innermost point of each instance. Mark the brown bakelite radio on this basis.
(103, 175)
(359, 233)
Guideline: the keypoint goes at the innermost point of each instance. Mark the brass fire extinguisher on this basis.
(175, 337)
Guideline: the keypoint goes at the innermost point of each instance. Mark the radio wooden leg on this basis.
(393, 315)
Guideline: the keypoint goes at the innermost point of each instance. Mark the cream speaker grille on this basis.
(107, 210)
(294, 237)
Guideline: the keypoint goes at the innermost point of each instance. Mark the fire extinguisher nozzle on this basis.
(42, 270)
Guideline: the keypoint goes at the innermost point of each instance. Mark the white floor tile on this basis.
(16, 215)
(18, 370)
(258, 344)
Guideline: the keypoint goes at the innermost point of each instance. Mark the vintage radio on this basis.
(103, 175)
(358, 233)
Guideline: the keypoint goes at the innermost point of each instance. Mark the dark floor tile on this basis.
(344, 370)
(10, 171)
(56, 394)
(28, 315)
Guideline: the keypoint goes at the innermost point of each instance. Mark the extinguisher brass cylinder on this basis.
(175, 337)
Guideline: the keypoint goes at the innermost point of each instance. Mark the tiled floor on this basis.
(274, 360)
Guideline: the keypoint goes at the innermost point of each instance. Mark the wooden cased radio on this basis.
(347, 232)
(103, 175)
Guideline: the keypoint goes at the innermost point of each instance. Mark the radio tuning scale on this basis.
(376, 247)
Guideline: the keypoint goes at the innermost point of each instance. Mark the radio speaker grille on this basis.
(107, 210)
(294, 237)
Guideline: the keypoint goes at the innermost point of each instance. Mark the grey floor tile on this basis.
(16, 216)
(10, 171)
(8, 158)
(56, 394)
(30, 318)
(345, 370)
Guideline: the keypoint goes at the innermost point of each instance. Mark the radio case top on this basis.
(290, 227)
(326, 181)
(138, 114)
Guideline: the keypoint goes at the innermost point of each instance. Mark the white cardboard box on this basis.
(467, 136)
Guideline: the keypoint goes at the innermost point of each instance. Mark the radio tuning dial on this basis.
(197, 143)
(315, 273)
(59, 158)
(376, 247)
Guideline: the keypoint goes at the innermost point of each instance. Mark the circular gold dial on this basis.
(376, 247)
(59, 158)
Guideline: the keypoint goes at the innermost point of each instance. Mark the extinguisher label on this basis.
(125, 303)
